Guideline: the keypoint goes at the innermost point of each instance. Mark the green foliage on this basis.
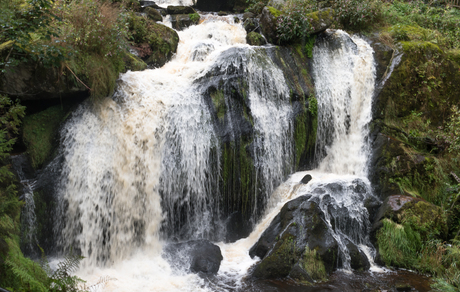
(437, 18)
(27, 25)
(309, 44)
(358, 14)
(450, 134)
(195, 17)
(398, 244)
(293, 24)
(256, 6)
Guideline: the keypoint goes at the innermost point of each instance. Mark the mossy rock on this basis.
(255, 39)
(153, 14)
(268, 22)
(134, 63)
(182, 21)
(39, 133)
(321, 20)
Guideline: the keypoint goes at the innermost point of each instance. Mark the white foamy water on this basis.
(344, 82)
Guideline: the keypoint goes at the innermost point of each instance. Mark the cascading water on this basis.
(150, 157)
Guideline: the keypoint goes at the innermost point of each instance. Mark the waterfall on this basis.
(143, 167)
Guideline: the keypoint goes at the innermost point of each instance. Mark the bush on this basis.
(293, 23)
(443, 19)
(358, 14)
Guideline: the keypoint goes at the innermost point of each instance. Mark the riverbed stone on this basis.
(153, 14)
(196, 256)
(255, 39)
(182, 21)
(180, 10)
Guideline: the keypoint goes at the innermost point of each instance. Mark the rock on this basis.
(247, 15)
(34, 82)
(321, 20)
(215, 5)
(268, 24)
(197, 256)
(134, 63)
(296, 243)
(306, 179)
(237, 227)
(180, 10)
(255, 39)
(153, 14)
(181, 21)
(149, 3)
(222, 13)
(359, 261)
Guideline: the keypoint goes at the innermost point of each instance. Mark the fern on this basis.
(24, 276)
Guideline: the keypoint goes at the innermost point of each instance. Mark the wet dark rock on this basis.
(359, 261)
(306, 179)
(237, 227)
(197, 256)
(221, 5)
(297, 232)
(255, 39)
(153, 14)
(222, 13)
(180, 10)
(402, 287)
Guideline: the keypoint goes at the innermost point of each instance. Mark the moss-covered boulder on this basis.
(321, 20)
(181, 21)
(39, 132)
(297, 243)
(255, 39)
(268, 21)
(221, 5)
(153, 14)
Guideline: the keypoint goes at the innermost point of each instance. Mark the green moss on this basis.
(255, 39)
(311, 262)
(39, 131)
(275, 12)
(454, 55)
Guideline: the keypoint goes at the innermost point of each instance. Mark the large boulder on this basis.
(297, 243)
(196, 256)
(268, 21)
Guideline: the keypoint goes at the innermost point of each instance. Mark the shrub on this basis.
(293, 23)
(358, 14)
